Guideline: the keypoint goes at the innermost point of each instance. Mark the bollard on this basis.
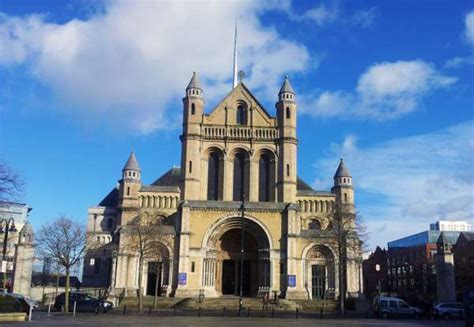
(321, 314)
(74, 309)
(273, 312)
(124, 310)
(49, 309)
(30, 313)
(149, 311)
(199, 312)
(223, 312)
(248, 312)
(296, 313)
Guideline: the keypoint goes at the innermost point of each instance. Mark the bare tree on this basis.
(11, 184)
(144, 238)
(63, 241)
(350, 238)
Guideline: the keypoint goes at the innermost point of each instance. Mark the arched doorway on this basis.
(320, 272)
(222, 269)
(158, 272)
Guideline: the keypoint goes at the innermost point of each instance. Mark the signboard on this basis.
(291, 280)
(182, 278)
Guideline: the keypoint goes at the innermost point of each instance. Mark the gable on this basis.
(226, 111)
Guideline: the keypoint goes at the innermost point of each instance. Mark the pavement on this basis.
(108, 320)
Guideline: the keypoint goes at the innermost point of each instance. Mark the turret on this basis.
(193, 107)
(343, 184)
(130, 183)
(286, 119)
(193, 104)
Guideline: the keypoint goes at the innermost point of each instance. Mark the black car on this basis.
(13, 303)
(84, 303)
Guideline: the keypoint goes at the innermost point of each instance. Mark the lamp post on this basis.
(377, 269)
(6, 226)
(242, 208)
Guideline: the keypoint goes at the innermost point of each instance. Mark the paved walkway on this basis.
(139, 321)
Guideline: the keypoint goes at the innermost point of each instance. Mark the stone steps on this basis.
(161, 302)
(317, 305)
(232, 303)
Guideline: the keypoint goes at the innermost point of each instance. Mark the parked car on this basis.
(27, 299)
(84, 303)
(387, 307)
(13, 303)
(448, 310)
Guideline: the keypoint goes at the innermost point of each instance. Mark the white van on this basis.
(386, 307)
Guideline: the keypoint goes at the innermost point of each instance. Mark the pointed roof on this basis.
(194, 82)
(132, 163)
(286, 87)
(342, 170)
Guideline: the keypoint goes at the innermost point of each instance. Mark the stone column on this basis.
(253, 187)
(294, 261)
(182, 290)
(23, 268)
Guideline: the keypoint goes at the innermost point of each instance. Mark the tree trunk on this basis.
(140, 277)
(66, 293)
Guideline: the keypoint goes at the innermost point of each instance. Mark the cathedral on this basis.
(234, 218)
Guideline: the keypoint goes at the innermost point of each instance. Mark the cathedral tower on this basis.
(193, 104)
(343, 185)
(129, 186)
(286, 119)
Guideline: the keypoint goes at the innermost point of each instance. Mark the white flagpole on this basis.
(235, 56)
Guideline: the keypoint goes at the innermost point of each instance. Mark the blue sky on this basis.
(388, 85)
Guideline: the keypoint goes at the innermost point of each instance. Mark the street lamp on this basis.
(6, 226)
(242, 255)
(377, 269)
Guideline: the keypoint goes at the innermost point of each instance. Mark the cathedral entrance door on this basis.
(318, 273)
(154, 278)
(228, 277)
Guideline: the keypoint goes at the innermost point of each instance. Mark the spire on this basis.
(235, 57)
(194, 82)
(342, 170)
(286, 87)
(132, 163)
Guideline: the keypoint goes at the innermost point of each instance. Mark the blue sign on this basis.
(182, 278)
(291, 280)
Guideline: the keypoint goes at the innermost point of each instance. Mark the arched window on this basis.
(239, 174)
(241, 115)
(314, 224)
(193, 109)
(264, 179)
(213, 175)
(345, 197)
(288, 113)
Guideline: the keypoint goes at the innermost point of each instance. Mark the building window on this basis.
(193, 266)
(213, 176)
(128, 190)
(314, 224)
(287, 170)
(345, 197)
(193, 109)
(190, 166)
(288, 113)
(97, 266)
(264, 179)
(241, 115)
(239, 175)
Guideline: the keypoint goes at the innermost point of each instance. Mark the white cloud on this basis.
(409, 182)
(386, 90)
(131, 61)
(321, 14)
(469, 32)
(365, 18)
(457, 62)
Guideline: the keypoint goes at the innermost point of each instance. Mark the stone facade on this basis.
(236, 152)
